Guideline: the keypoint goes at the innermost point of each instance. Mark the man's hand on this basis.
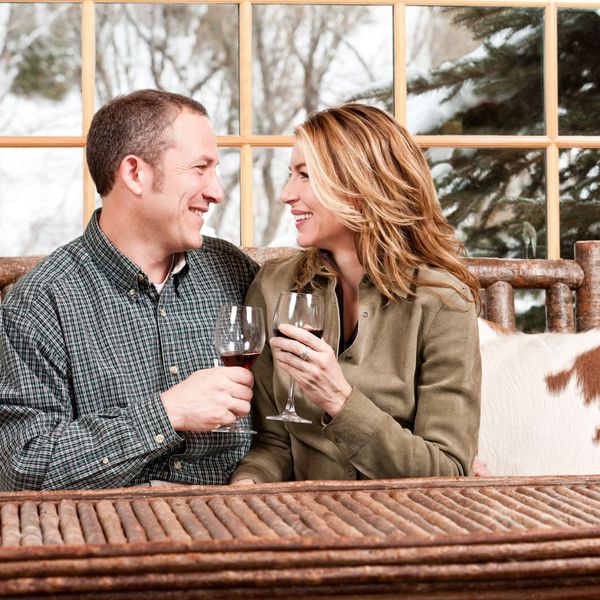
(209, 398)
(246, 481)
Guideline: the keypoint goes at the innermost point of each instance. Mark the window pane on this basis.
(530, 310)
(475, 70)
(495, 198)
(579, 71)
(184, 48)
(41, 192)
(310, 56)
(579, 197)
(273, 223)
(224, 219)
(40, 69)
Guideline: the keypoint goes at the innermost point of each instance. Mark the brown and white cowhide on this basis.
(540, 406)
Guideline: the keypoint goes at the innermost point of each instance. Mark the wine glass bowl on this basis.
(239, 338)
(301, 310)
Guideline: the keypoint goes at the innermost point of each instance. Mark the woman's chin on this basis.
(305, 241)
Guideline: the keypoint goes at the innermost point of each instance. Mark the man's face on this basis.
(185, 184)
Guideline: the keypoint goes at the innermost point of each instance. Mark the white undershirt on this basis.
(175, 268)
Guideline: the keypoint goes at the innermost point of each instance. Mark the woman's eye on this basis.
(303, 174)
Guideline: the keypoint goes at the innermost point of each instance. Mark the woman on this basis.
(393, 388)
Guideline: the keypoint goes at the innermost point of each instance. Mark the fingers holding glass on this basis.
(307, 312)
(239, 338)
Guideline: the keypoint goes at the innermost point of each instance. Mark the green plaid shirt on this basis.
(86, 347)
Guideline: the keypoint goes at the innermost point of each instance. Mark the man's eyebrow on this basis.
(204, 159)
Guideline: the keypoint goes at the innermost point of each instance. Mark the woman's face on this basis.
(317, 226)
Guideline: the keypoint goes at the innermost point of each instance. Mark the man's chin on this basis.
(196, 243)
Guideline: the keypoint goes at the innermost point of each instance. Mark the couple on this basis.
(106, 350)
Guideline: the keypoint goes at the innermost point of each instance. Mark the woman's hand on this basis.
(313, 364)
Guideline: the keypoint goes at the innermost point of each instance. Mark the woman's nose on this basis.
(288, 194)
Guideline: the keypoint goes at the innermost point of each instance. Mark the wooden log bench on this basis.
(505, 538)
(492, 538)
(572, 286)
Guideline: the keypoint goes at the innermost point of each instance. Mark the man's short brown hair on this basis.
(138, 123)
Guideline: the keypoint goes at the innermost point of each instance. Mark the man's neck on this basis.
(155, 262)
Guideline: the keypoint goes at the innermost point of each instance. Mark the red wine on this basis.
(242, 359)
(317, 332)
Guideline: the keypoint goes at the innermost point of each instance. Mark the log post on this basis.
(500, 304)
(559, 308)
(587, 255)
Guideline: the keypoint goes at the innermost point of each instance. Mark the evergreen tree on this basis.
(47, 43)
(496, 197)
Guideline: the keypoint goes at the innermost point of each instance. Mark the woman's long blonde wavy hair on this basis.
(366, 168)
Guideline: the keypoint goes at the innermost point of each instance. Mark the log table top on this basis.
(420, 538)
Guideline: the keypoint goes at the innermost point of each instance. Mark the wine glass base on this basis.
(232, 429)
(290, 417)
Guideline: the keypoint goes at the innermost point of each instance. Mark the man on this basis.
(106, 352)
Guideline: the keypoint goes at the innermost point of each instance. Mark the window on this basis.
(502, 96)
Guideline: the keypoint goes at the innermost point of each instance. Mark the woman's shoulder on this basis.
(280, 266)
(438, 286)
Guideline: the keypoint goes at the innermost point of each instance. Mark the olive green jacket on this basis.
(415, 373)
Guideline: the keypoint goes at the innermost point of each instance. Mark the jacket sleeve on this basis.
(444, 434)
(44, 443)
(270, 457)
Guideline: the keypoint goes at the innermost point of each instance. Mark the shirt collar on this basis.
(115, 265)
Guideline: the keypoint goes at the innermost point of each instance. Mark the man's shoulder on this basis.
(61, 265)
(222, 253)
(220, 246)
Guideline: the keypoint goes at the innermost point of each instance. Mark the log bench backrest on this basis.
(497, 277)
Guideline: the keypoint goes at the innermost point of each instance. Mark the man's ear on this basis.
(135, 173)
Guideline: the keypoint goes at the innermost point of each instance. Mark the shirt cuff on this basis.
(152, 425)
(355, 424)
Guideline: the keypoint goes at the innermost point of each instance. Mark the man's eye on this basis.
(200, 167)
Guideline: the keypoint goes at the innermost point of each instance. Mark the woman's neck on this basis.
(349, 267)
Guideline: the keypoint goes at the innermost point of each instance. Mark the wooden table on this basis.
(421, 538)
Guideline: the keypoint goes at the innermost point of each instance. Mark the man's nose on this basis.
(213, 191)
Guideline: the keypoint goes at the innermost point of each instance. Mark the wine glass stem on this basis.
(289, 407)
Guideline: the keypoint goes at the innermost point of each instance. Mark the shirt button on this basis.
(365, 313)
(163, 312)
(177, 464)
(348, 357)
(132, 292)
(140, 277)
(173, 369)
(160, 438)
(105, 461)
(350, 473)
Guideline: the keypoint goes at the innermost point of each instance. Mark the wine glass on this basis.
(301, 310)
(239, 338)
